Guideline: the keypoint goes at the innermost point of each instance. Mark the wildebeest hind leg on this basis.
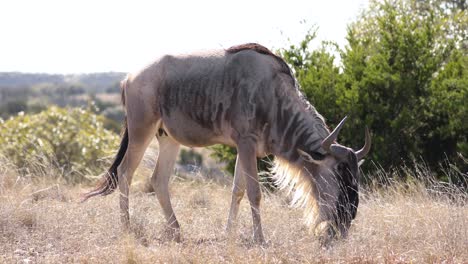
(139, 139)
(168, 150)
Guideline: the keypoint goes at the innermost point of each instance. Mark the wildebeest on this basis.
(248, 98)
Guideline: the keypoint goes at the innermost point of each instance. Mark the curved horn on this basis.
(326, 143)
(363, 152)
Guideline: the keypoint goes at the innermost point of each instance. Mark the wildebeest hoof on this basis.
(325, 233)
(260, 241)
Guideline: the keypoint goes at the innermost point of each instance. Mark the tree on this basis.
(317, 73)
(396, 51)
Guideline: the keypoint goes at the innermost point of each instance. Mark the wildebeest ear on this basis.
(360, 162)
(307, 157)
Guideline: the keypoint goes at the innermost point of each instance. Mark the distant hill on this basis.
(97, 82)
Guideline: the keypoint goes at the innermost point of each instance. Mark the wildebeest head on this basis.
(336, 179)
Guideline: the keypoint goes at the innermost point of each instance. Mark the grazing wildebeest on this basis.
(248, 98)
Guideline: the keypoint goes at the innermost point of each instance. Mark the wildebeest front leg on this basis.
(238, 190)
(248, 159)
(168, 150)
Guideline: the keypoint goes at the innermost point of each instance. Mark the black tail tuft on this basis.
(109, 182)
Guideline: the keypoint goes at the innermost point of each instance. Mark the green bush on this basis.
(405, 77)
(73, 139)
(190, 157)
(223, 153)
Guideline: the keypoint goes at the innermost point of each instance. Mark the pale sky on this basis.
(66, 36)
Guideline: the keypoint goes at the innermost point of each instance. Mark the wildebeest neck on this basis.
(298, 126)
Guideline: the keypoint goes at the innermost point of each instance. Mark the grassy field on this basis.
(43, 222)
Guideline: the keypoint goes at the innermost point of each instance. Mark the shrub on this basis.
(72, 139)
(190, 157)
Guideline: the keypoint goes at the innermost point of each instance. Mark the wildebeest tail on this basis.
(109, 181)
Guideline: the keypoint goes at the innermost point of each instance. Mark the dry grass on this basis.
(44, 223)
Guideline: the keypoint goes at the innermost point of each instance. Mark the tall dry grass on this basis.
(416, 221)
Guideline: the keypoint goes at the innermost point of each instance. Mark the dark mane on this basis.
(251, 46)
(260, 49)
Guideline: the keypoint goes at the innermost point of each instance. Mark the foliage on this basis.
(403, 74)
(317, 74)
(114, 114)
(73, 139)
(79, 83)
(449, 95)
(225, 154)
(32, 93)
(190, 157)
(402, 60)
(228, 155)
(11, 107)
